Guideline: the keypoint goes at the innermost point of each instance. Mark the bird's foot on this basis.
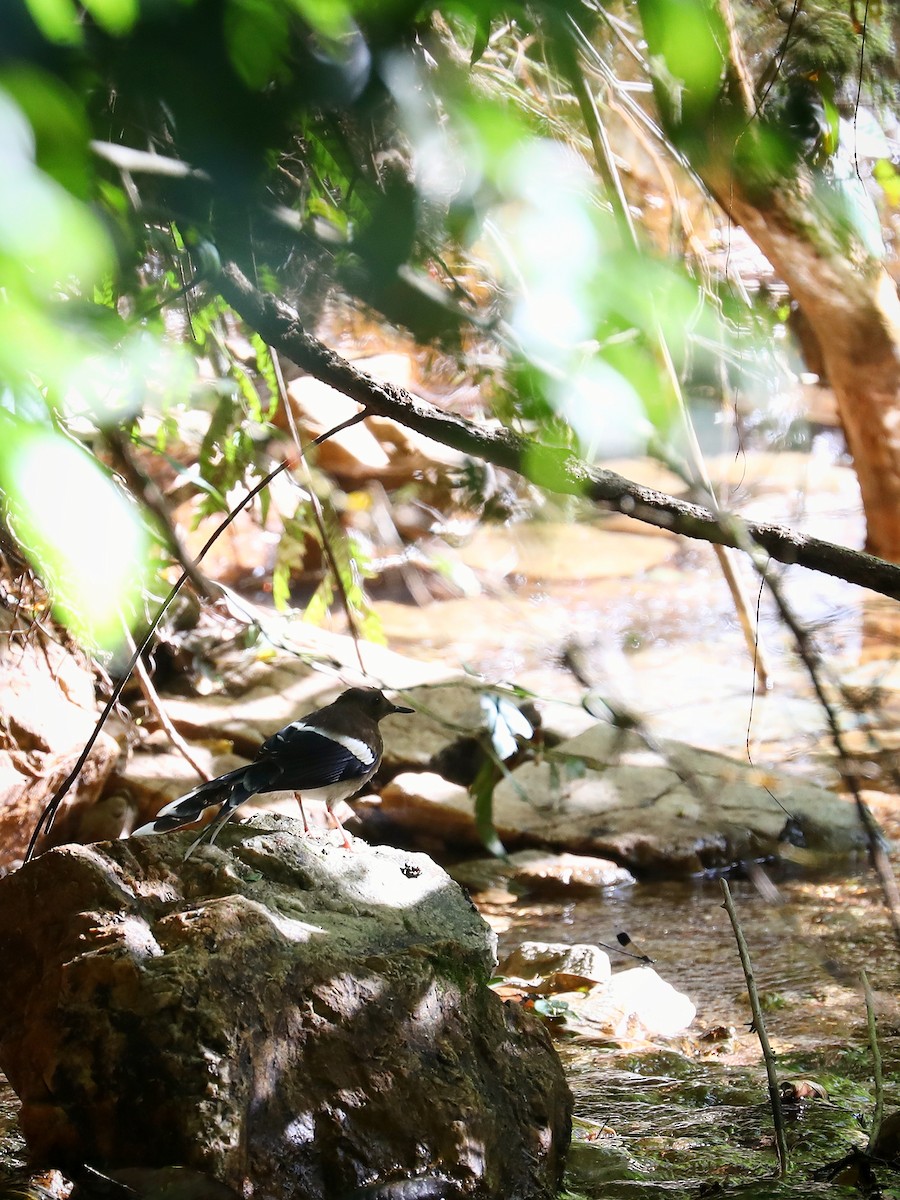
(335, 824)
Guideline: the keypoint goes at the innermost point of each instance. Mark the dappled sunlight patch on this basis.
(81, 533)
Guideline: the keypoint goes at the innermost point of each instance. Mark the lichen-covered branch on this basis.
(552, 467)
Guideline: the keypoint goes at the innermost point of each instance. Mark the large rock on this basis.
(672, 810)
(295, 1019)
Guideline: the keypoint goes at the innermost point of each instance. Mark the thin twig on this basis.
(759, 1027)
(876, 1063)
(45, 822)
(609, 172)
(316, 505)
(809, 656)
(390, 537)
(155, 704)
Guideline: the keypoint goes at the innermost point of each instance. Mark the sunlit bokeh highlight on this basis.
(83, 537)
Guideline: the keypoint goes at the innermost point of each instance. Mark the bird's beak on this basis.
(400, 708)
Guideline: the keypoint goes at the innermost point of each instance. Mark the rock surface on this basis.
(541, 873)
(633, 1004)
(637, 1003)
(547, 967)
(676, 811)
(295, 1019)
(47, 713)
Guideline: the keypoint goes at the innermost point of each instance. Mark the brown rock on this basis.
(543, 872)
(288, 1017)
(425, 809)
(556, 966)
(378, 448)
(47, 713)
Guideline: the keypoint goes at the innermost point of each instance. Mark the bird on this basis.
(327, 755)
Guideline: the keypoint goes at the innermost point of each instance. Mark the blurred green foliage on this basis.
(85, 538)
(429, 163)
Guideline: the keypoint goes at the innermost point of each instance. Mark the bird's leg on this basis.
(335, 824)
(302, 813)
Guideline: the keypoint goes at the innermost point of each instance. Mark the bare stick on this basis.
(876, 1063)
(316, 505)
(609, 172)
(811, 659)
(155, 705)
(759, 1027)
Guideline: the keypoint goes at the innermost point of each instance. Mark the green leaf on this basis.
(505, 723)
(47, 236)
(266, 368)
(115, 16)
(317, 608)
(689, 37)
(265, 503)
(57, 20)
(888, 179)
(281, 586)
(482, 38)
(247, 389)
(257, 34)
(57, 119)
(81, 535)
(552, 1008)
(331, 18)
(482, 790)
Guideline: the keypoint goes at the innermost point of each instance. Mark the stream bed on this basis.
(690, 1116)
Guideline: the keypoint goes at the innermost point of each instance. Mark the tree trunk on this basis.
(845, 293)
(854, 311)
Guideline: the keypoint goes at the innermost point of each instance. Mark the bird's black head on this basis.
(372, 702)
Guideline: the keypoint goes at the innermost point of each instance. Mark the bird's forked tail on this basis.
(187, 809)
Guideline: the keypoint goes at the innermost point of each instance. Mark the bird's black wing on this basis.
(299, 758)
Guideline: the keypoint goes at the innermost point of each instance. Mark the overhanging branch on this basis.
(554, 468)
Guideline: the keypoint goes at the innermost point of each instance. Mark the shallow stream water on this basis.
(685, 1115)
(690, 1116)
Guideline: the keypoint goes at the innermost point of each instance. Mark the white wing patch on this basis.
(359, 749)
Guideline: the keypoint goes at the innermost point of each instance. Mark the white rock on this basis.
(641, 1001)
